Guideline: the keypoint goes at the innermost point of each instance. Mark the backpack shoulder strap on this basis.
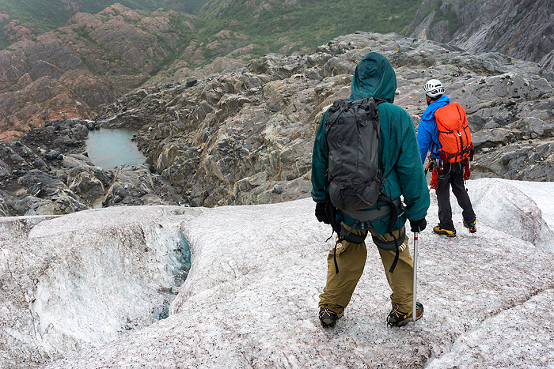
(379, 100)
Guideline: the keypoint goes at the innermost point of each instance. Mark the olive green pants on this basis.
(351, 258)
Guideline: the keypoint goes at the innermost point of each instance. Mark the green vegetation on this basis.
(268, 25)
(84, 33)
(184, 38)
(37, 15)
(450, 17)
(312, 22)
(453, 22)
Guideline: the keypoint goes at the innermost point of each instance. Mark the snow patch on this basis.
(250, 297)
(507, 206)
(118, 276)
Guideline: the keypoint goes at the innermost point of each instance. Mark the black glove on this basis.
(320, 213)
(418, 225)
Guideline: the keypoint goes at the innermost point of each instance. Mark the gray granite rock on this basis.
(245, 137)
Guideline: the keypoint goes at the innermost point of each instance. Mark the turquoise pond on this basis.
(108, 148)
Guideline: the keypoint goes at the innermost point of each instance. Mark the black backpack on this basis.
(354, 174)
(354, 170)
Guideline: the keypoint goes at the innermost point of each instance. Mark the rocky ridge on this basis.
(70, 72)
(48, 172)
(520, 29)
(245, 136)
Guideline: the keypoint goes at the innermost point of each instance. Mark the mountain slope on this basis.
(245, 136)
(521, 29)
(24, 19)
(73, 70)
(304, 25)
(118, 49)
(125, 48)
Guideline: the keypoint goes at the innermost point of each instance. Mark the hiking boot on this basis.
(399, 319)
(471, 226)
(328, 316)
(445, 232)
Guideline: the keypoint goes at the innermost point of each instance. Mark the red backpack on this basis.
(454, 134)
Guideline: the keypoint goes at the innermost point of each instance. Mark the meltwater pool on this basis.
(108, 148)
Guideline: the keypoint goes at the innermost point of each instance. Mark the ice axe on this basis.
(416, 240)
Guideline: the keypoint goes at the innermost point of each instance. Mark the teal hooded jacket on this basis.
(399, 152)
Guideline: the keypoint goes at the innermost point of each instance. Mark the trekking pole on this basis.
(416, 240)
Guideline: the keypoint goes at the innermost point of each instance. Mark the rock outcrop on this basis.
(48, 172)
(70, 72)
(520, 29)
(245, 136)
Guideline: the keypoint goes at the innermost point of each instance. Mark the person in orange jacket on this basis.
(445, 175)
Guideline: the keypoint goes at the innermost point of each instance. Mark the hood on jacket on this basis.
(374, 77)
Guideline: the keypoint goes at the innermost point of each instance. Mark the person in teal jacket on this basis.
(401, 165)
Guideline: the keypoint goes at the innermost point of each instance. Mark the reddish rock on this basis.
(24, 81)
(47, 99)
(90, 61)
(88, 87)
(85, 20)
(17, 32)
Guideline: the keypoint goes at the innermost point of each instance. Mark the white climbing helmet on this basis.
(433, 88)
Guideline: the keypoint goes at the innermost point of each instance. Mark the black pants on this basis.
(453, 176)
